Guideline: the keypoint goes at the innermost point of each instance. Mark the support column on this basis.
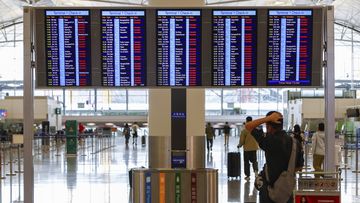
(28, 108)
(195, 127)
(159, 128)
(329, 165)
(177, 128)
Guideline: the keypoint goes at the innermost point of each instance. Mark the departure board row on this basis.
(179, 48)
(177, 51)
(289, 47)
(67, 48)
(234, 48)
(123, 48)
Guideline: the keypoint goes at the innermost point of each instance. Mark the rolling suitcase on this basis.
(233, 164)
(143, 140)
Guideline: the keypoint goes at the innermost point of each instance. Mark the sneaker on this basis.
(247, 178)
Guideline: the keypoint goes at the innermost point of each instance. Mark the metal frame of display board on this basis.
(28, 104)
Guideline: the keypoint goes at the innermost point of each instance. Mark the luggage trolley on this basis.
(326, 188)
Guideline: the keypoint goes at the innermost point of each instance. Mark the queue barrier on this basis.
(174, 185)
(326, 188)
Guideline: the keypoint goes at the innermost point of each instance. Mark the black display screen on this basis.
(67, 36)
(123, 54)
(234, 47)
(290, 35)
(178, 47)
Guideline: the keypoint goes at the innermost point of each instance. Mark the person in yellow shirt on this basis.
(250, 147)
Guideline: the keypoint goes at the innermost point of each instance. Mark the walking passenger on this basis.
(209, 130)
(126, 133)
(318, 148)
(298, 135)
(226, 134)
(250, 148)
(135, 128)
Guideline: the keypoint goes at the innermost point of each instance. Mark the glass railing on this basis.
(106, 113)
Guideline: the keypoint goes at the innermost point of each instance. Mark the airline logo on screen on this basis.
(181, 115)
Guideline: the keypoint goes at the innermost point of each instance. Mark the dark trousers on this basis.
(250, 156)
(209, 143)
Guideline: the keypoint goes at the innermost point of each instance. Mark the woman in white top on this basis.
(318, 148)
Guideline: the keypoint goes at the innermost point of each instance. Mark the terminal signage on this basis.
(178, 47)
(234, 47)
(67, 37)
(123, 54)
(124, 47)
(193, 188)
(177, 188)
(162, 188)
(290, 47)
(147, 187)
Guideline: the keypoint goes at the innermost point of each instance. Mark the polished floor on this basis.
(99, 174)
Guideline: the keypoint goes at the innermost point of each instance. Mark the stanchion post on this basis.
(306, 156)
(84, 146)
(57, 145)
(92, 144)
(19, 162)
(2, 163)
(11, 164)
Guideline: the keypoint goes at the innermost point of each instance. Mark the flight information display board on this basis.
(290, 35)
(234, 47)
(178, 47)
(67, 41)
(123, 48)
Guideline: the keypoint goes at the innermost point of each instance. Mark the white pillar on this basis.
(195, 127)
(28, 108)
(329, 165)
(159, 120)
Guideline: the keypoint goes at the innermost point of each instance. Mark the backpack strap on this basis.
(291, 164)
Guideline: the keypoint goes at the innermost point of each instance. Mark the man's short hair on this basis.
(277, 126)
(248, 119)
(321, 126)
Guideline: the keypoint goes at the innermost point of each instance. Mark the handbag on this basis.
(283, 187)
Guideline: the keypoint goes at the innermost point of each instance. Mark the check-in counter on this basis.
(175, 185)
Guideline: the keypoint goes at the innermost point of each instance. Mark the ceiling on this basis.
(347, 12)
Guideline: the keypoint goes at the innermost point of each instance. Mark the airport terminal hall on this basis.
(179, 101)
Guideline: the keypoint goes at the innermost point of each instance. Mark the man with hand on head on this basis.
(277, 146)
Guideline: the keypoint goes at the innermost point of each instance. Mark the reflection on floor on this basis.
(99, 174)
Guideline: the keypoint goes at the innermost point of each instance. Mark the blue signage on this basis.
(178, 161)
(181, 115)
(148, 187)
